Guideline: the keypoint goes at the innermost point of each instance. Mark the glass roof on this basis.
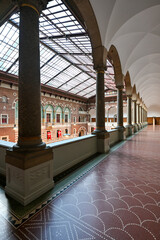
(65, 52)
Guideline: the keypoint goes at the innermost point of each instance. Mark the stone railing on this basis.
(3, 147)
(113, 137)
(67, 153)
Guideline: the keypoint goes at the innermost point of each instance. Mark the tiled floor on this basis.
(118, 199)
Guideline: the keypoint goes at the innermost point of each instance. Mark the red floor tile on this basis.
(119, 199)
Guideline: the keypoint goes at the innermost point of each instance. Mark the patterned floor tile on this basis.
(118, 199)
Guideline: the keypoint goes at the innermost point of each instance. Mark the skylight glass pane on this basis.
(65, 51)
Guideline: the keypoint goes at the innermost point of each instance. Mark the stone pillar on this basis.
(146, 117)
(120, 126)
(129, 114)
(135, 115)
(138, 116)
(142, 115)
(102, 134)
(29, 165)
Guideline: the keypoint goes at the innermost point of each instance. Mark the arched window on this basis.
(66, 115)
(49, 114)
(58, 115)
(16, 112)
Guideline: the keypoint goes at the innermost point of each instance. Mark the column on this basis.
(142, 114)
(129, 114)
(102, 134)
(135, 115)
(138, 116)
(29, 165)
(139, 107)
(100, 105)
(129, 110)
(119, 106)
(29, 80)
(120, 112)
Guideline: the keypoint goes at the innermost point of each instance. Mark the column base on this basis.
(135, 127)
(122, 132)
(129, 130)
(28, 174)
(102, 141)
(27, 147)
(139, 126)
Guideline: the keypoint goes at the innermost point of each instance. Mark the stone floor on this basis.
(117, 199)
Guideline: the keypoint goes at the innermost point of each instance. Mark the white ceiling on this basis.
(133, 27)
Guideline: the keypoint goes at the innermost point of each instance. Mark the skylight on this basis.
(65, 51)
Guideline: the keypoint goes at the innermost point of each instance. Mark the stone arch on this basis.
(115, 59)
(16, 111)
(14, 103)
(86, 14)
(138, 98)
(80, 131)
(134, 93)
(48, 106)
(127, 81)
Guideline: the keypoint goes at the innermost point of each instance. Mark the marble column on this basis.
(102, 134)
(129, 114)
(120, 126)
(29, 165)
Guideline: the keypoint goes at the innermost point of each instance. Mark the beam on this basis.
(65, 36)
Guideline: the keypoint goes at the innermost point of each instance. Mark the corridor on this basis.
(117, 199)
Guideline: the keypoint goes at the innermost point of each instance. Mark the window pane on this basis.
(58, 118)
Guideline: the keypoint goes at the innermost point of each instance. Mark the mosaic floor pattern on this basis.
(119, 199)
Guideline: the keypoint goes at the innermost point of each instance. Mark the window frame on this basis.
(2, 119)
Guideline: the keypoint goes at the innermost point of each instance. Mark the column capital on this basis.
(100, 70)
(99, 58)
(120, 87)
(134, 100)
(37, 5)
(129, 96)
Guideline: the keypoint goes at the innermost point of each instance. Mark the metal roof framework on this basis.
(65, 52)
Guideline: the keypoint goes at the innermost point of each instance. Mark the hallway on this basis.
(118, 199)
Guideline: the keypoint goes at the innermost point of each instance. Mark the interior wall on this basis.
(154, 111)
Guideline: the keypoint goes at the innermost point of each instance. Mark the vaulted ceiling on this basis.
(133, 27)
